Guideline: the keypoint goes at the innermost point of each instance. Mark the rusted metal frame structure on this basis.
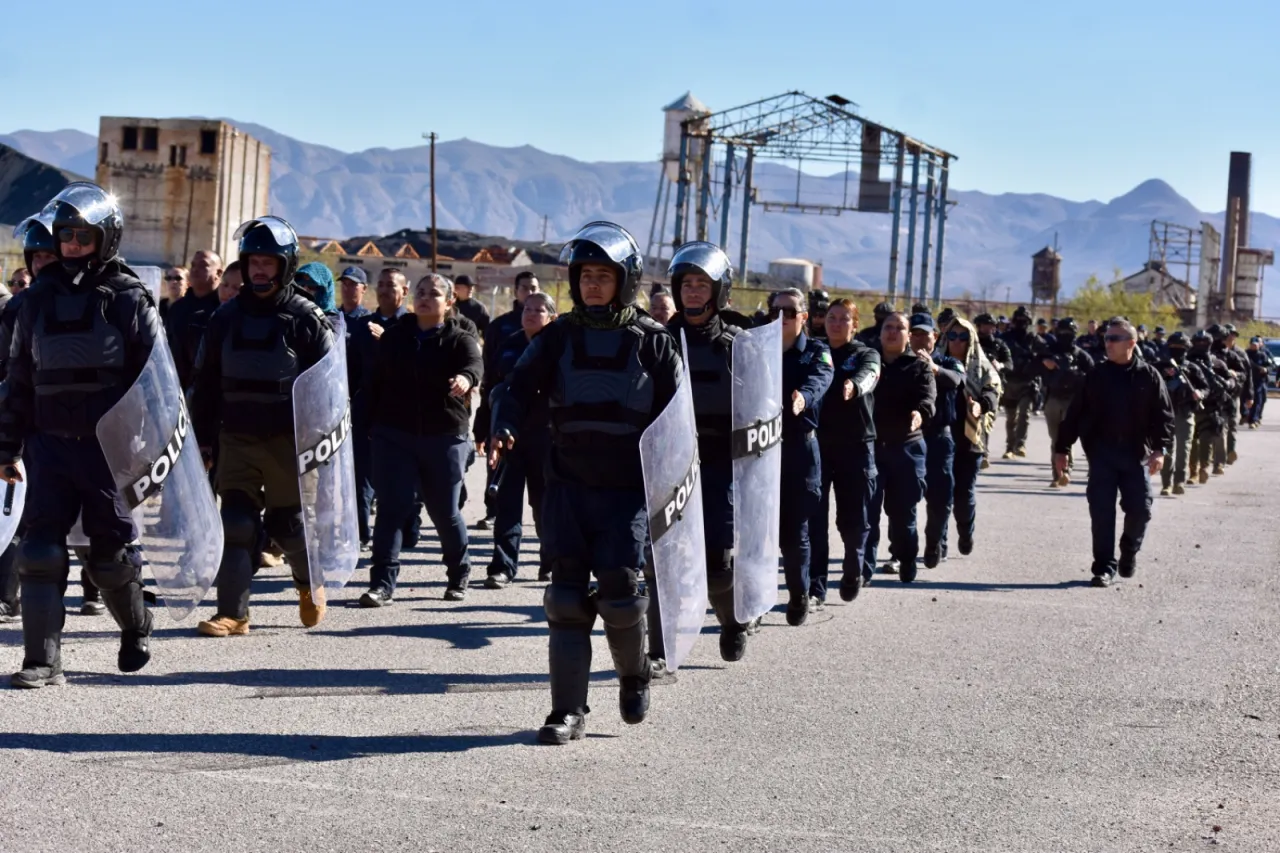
(795, 127)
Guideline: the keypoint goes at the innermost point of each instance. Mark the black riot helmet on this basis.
(1177, 341)
(1021, 317)
(1066, 329)
(1216, 333)
(1201, 340)
(268, 235)
(984, 319)
(608, 244)
(81, 205)
(945, 316)
(36, 236)
(708, 259)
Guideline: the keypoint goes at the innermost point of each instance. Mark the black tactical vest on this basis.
(604, 394)
(257, 364)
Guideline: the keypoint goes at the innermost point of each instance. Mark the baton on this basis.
(496, 482)
(8, 498)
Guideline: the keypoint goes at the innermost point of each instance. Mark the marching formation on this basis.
(671, 457)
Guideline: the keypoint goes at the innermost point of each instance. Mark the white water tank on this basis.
(677, 112)
(794, 271)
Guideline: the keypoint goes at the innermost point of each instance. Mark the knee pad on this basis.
(113, 565)
(43, 560)
(569, 605)
(240, 519)
(619, 583)
(622, 612)
(284, 526)
(719, 571)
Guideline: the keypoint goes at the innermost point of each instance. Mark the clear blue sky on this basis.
(1082, 99)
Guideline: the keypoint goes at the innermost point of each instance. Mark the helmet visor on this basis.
(611, 239)
(705, 256)
(92, 202)
(282, 232)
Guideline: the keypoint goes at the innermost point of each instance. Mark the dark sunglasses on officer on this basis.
(83, 236)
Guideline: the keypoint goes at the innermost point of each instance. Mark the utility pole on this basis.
(544, 229)
(435, 243)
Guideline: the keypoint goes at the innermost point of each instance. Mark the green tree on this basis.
(1095, 300)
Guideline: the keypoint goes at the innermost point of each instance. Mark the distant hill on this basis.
(26, 184)
(490, 190)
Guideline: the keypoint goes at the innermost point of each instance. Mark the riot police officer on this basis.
(701, 279)
(255, 347)
(806, 376)
(1063, 369)
(607, 371)
(1021, 381)
(80, 340)
(939, 438)
(1187, 386)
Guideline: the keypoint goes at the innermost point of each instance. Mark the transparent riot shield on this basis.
(673, 496)
(757, 469)
(14, 497)
(153, 456)
(326, 468)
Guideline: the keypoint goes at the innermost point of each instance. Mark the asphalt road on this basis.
(998, 704)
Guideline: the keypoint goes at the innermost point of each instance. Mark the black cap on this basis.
(921, 320)
(463, 280)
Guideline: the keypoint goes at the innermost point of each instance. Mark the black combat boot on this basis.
(562, 727)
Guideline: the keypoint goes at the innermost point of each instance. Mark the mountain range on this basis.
(990, 238)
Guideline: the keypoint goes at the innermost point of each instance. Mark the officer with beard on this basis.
(242, 394)
(80, 340)
(701, 278)
(607, 371)
(1021, 381)
(1187, 386)
(1063, 369)
(1211, 429)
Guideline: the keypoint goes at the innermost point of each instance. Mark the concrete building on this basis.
(184, 184)
(1165, 289)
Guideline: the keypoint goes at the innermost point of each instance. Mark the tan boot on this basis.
(1064, 479)
(1204, 476)
(1232, 458)
(311, 609)
(1218, 470)
(223, 626)
(1178, 489)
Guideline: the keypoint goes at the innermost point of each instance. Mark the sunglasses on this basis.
(83, 236)
(1117, 339)
(789, 313)
(173, 278)
(957, 336)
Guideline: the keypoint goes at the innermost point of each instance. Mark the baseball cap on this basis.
(464, 280)
(921, 321)
(356, 274)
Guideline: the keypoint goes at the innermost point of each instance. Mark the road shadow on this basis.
(302, 683)
(1046, 490)
(922, 583)
(293, 747)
